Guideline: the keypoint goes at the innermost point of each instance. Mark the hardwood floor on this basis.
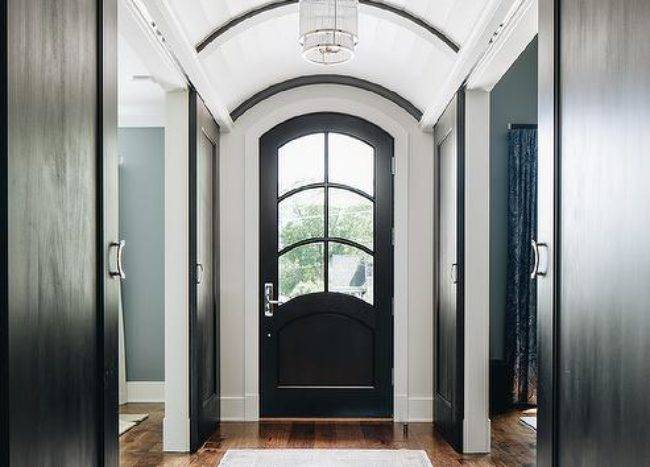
(513, 444)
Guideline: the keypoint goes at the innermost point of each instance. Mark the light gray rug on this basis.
(129, 420)
(125, 426)
(530, 421)
(324, 458)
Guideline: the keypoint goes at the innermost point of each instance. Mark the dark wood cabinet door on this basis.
(59, 309)
(449, 329)
(596, 330)
(604, 297)
(204, 273)
(326, 254)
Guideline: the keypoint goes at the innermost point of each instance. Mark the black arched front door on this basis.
(326, 268)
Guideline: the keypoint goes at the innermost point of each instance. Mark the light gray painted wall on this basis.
(513, 100)
(142, 216)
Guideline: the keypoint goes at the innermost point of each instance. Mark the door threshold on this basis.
(326, 419)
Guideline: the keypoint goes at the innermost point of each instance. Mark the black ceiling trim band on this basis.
(281, 3)
(342, 80)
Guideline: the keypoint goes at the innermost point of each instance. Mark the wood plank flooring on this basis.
(513, 444)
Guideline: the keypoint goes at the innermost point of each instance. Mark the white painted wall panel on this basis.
(413, 250)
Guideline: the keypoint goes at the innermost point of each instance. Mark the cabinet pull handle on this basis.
(118, 273)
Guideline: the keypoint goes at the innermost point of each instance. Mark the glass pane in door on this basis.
(301, 217)
(301, 271)
(351, 217)
(351, 162)
(351, 271)
(301, 162)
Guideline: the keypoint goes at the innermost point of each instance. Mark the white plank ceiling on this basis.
(392, 52)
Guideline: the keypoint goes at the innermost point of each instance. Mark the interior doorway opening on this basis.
(141, 152)
(513, 229)
(326, 265)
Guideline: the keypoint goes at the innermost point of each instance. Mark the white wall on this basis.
(414, 260)
(176, 433)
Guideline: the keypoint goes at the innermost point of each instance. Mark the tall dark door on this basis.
(57, 297)
(449, 329)
(204, 267)
(596, 109)
(326, 266)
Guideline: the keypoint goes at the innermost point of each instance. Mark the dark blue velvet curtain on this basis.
(521, 305)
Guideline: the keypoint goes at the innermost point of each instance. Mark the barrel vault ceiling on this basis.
(241, 47)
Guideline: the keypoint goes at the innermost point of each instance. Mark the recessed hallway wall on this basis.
(142, 152)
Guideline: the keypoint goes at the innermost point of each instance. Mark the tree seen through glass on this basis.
(301, 269)
(301, 216)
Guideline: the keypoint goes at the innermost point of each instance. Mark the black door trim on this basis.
(366, 401)
(418, 21)
(341, 80)
(4, 243)
(460, 288)
(548, 303)
(108, 313)
(200, 122)
(193, 247)
(455, 433)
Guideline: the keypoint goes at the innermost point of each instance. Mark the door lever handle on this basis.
(540, 259)
(453, 272)
(118, 273)
(199, 273)
(269, 303)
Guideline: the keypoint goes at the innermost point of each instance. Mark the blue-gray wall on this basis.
(142, 158)
(513, 100)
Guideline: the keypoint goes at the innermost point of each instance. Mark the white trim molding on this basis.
(166, 20)
(420, 409)
(176, 435)
(476, 424)
(240, 150)
(176, 429)
(139, 119)
(136, 28)
(519, 29)
(145, 391)
(401, 284)
(470, 54)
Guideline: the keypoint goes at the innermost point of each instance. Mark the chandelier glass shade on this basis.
(328, 30)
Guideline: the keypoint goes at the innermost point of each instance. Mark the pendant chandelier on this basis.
(328, 30)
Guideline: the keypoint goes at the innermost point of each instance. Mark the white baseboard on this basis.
(176, 433)
(477, 434)
(420, 409)
(252, 407)
(400, 408)
(233, 409)
(145, 391)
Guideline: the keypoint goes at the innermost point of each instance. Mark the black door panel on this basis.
(326, 252)
(204, 273)
(449, 329)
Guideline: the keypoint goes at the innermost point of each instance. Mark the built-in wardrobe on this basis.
(593, 224)
(60, 252)
(58, 233)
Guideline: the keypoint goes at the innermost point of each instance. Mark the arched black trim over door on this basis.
(341, 80)
(327, 351)
(417, 21)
